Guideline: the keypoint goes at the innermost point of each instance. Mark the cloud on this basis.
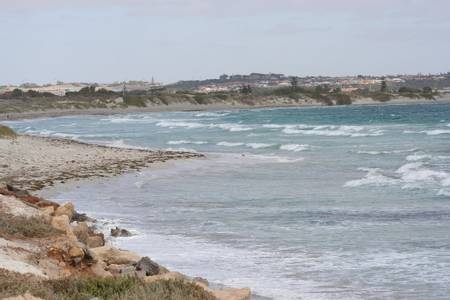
(417, 9)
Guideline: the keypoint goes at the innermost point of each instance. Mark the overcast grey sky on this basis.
(115, 40)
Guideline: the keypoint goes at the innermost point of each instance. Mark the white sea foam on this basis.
(194, 125)
(444, 192)
(180, 142)
(174, 124)
(229, 144)
(333, 130)
(416, 175)
(231, 127)
(294, 147)
(259, 145)
(437, 131)
(373, 177)
(381, 152)
(129, 119)
(274, 158)
(418, 156)
(181, 149)
(120, 143)
(212, 114)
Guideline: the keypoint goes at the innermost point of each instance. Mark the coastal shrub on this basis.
(22, 227)
(131, 100)
(86, 288)
(7, 133)
(201, 99)
(380, 96)
(342, 99)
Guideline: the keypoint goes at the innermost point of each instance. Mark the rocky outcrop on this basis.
(232, 294)
(147, 266)
(120, 232)
(25, 296)
(78, 250)
(62, 223)
(67, 209)
(111, 255)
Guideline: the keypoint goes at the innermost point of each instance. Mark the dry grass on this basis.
(21, 227)
(7, 133)
(117, 288)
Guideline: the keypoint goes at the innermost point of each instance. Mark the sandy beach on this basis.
(45, 243)
(32, 162)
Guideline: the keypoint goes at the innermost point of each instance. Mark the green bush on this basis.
(21, 227)
(7, 133)
(201, 99)
(342, 99)
(131, 100)
(110, 288)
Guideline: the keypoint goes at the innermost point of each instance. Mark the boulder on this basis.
(61, 223)
(120, 232)
(48, 210)
(111, 255)
(200, 281)
(66, 209)
(147, 266)
(26, 296)
(76, 254)
(82, 218)
(232, 294)
(167, 276)
(99, 269)
(94, 241)
(81, 231)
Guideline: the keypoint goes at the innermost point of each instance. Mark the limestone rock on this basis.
(167, 276)
(99, 269)
(82, 218)
(66, 209)
(200, 281)
(147, 266)
(61, 223)
(26, 296)
(112, 255)
(232, 294)
(94, 241)
(81, 231)
(48, 210)
(120, 232)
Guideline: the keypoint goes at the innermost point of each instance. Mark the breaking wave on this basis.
(294, 147)
(181, 142)
(328, 130)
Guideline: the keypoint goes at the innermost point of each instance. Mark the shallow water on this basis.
(311, 203)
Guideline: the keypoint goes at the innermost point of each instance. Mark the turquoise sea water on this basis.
(312, 203)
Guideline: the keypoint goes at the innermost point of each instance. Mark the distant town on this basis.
(230, 83)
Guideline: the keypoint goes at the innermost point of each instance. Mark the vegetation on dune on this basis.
(85, 288)
(92, 97)
(425, 93)
(132, 100)
(21, 227)
(7, 133)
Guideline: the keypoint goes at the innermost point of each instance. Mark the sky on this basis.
(102, 41)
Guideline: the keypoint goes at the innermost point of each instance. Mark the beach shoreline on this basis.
(186, 107)
(34, 163)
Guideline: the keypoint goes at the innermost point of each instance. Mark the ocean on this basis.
(300, 203)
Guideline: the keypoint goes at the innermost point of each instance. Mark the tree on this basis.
(294, 82)
(383, 86)
(246, 89)
(337, 89)
(427, 90)
(16, 93)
